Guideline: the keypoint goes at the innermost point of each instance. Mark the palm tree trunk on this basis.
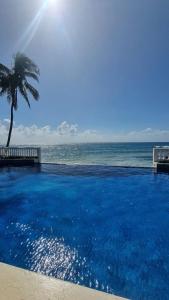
(13, 105)
(11, 125)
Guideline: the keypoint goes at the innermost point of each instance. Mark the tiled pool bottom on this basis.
(102, 227)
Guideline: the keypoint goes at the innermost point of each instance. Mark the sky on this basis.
(104, 68)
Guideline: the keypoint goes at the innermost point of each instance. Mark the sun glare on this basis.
(54, 2)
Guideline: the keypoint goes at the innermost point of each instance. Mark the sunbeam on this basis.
(54, 9)
(31, 30)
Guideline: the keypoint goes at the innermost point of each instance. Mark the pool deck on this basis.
(19, 284)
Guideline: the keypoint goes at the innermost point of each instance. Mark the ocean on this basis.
(112, 154)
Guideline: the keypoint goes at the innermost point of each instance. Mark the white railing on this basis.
(21, 153)
(160, 155)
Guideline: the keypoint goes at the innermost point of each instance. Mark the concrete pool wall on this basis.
(19, 284)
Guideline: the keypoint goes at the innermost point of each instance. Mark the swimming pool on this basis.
(103, 227)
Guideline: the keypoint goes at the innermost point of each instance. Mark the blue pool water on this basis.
(102, 227)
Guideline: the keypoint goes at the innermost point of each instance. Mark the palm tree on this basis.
(15, 80)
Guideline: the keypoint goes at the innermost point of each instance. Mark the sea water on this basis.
(113, 154)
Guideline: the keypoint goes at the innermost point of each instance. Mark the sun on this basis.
(53, 5)
(53, 2)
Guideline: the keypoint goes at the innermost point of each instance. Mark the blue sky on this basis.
(104, 63)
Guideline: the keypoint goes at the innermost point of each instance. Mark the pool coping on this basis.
(20, 284)
(72, 165)
(96, 165)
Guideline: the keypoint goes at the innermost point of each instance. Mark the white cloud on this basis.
(71, 133)
(6, 121)
(67, 129)
(64, 133)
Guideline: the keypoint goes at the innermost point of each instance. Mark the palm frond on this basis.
(23, 64)
(32, 75)
(32, 90)
(9, 96)
(16, 79)
(4, 69)
(4, 83)
(24, 93)
(2, 92)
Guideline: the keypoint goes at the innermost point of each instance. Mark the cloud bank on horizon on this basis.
(66, 133)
